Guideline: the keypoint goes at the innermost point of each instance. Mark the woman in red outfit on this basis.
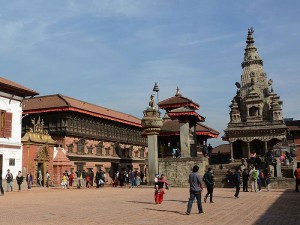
(160, 183)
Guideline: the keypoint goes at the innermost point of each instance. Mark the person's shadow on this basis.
(164, 210)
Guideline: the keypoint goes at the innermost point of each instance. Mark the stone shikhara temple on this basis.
(256, 120)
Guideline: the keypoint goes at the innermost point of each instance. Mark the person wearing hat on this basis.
(9, 179)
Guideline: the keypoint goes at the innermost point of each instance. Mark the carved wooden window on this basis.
(99, 148)
(107, 153)
(123, 152)
(5, 124)
(136, 154)
(12, 162)
(142, 153)
(80, 148)
(70, 148)
(90, 149)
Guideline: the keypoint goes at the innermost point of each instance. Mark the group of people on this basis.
(253, 176)
(131, 178)
(207, 150)
(19, 178)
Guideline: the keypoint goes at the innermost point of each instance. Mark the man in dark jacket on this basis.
(237, 182)
(209, 180)
(245, 176)
(195, 190)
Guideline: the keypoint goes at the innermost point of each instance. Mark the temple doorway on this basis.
(40, 173)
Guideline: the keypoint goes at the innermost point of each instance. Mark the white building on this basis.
(11, 98)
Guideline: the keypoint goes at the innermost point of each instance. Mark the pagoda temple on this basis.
(256, 120)
(182, 127)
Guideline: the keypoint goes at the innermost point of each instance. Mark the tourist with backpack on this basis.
(9, 179)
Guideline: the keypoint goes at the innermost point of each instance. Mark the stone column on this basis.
(266, 147)
(248, 148)
(185, 140)
(152, 157)
(231, 152)
(278, 168)
(152, 124)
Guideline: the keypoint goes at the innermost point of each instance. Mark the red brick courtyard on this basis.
(136, 206)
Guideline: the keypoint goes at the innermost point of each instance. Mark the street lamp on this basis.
(156, 89)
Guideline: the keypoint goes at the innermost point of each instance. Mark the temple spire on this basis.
(178, 92)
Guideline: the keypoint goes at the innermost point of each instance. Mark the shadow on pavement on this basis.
(163, 210)
(285, 210)
(150, 203)
(171, 200)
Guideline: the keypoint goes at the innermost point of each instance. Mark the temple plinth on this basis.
(152, 124)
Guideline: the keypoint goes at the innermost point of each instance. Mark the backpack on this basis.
(255, 174)
(9, 177)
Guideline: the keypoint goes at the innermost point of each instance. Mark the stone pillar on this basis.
(248, 148)
(152, 124)
(152, 156)
(185, 140)
(266, 147)
(278, 168)
(231, 152)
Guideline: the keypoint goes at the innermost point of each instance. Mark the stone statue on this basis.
(152, 102)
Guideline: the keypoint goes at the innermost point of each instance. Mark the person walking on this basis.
(237, 182)
(195, 190)
(160, 183)
(19, 179)
(9, 179)
(209, 181)
(29, 180)
(297, 175)
(1, 187)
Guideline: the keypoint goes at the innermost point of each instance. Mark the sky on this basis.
(111, 52)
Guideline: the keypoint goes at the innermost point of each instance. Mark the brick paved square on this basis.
(136, 206)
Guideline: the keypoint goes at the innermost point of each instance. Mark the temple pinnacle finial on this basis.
(177, 92)
(250, 39)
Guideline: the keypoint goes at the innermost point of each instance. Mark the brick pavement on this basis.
(136, 206)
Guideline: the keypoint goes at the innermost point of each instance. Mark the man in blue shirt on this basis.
(195, 190)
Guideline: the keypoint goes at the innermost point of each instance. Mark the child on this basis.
(64, 181)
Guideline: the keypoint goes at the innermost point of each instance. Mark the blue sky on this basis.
(111, 52)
